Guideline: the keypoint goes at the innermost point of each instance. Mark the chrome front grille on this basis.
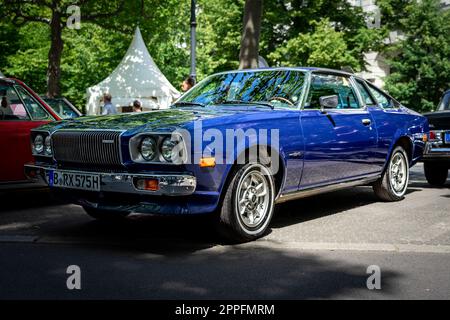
(87, 147)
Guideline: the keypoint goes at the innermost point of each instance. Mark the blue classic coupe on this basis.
(234, 146)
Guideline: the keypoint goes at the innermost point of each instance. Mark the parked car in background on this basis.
(63, 107)
(21, 110)
(314, 130)
(436, 157)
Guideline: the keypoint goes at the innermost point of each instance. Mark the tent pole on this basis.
(193, 40)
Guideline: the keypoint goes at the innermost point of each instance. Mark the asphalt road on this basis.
(318, 247)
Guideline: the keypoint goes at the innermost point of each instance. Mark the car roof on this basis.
(305, 69)
(8, 80)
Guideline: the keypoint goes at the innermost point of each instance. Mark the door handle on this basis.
(366, 122)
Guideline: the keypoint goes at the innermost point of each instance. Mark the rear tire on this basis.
(106, 215)
(248, 204)
(435, 173)
(393, 183)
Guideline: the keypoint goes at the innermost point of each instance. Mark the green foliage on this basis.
(86, 63)
(309, 33)
(28, 62)
(392, 12)
(327, 33)
(219, 35)
(420, 60)
(322, 47)
(9, 42)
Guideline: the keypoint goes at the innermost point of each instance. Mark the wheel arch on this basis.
(279, 176)
(406, 143)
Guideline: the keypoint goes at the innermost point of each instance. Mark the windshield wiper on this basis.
(188, 103)
(260, 103)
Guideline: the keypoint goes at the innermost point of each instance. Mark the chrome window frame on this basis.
(362, 106)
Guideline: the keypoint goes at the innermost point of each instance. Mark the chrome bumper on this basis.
(433, 152)
(169, 184)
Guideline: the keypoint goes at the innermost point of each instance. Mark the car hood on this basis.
(161, 120)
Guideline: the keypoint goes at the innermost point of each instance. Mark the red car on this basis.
(21, 110)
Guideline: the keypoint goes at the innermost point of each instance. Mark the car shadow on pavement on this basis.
(27, 198)
(316, 207)
(189, 233)
(181, 257)
(327, 204)
(176, 234)
(232, 272)
(265, 273)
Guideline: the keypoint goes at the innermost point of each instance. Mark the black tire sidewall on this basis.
(389, 186)
(231, 217)
(436, 173)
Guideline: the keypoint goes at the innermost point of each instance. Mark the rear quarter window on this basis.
(385, 101)
(367, 98)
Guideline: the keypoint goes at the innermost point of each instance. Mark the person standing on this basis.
(137, 107)
(187, 84)
(108, 108)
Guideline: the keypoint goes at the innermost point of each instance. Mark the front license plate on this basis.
(447, 137)
(72, 180)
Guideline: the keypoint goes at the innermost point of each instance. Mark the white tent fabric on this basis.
(136, 78)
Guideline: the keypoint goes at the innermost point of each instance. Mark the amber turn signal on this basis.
(148, 184)
(207, 162)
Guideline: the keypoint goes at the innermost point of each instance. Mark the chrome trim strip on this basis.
(434, 149)
(438, 150)
(328, 188)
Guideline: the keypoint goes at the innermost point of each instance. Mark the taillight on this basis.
(432, 135)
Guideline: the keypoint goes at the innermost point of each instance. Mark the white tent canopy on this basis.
(136, 78)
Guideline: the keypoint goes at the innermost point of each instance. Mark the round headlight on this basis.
(148, 148)
(48, 146)
(167, 149)
(38, 144)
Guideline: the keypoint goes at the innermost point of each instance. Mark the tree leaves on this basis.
(325, 33)
(420, 59)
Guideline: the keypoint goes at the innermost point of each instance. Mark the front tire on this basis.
(106, 215)
(435, 173)
(393, 183)
(248, 204)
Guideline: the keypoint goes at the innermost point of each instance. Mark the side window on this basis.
(33, 107)
(11, 107)
(368, 100)
(445, 102)
(382, 99)
(327, 85)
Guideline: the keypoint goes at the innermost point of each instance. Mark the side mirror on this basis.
(328, 102)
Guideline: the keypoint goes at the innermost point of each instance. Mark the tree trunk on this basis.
(248, 56)
(54, 56)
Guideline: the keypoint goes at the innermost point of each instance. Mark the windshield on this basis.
(445, 102)
(262, 88)
(62, 108)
